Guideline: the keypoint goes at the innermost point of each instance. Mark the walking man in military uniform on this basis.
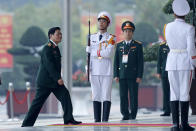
(101, 70)
(49, 80)
(181, 60)
(163, 75)
(128, 70)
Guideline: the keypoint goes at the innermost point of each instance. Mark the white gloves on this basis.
(88, 49)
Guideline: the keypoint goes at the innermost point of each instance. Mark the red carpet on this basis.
(120, 125)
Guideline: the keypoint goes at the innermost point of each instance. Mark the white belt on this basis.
(178, 50)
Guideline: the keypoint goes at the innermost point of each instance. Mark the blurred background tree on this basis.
(27, 54)
(146, 33)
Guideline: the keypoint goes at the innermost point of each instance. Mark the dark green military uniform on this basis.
(162, 58)
(127, 74)
(48, 75)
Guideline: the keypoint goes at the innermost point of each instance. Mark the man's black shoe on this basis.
(26, 126)
(186, 127)
(165, 114)
(73, 122)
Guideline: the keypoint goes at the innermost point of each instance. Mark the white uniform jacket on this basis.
(102, 65)
(180, 38)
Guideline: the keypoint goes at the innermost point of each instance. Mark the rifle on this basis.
(88, 55)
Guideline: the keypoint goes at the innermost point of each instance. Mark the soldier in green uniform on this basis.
(163, 75)
(49, 80)
(128, 70)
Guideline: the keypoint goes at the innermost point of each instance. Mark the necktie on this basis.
(100, 37)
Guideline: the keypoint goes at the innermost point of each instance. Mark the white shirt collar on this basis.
(102, 34)
(128, 41)
(53, 42)
(178, 19)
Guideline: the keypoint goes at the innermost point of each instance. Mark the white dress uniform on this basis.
(101, 68)
(180, 37)
(101, 51)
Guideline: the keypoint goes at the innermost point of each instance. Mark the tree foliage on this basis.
(27, 54)
(149, 11)
(151, 53)
(146, 33)
(33, 37)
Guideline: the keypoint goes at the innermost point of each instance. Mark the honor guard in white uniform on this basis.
(101, 51)
(181, 60)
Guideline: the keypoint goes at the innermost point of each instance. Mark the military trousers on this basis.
(180, 83)
(42, 93)
(166, 94)
(101, 87)
(128, 86)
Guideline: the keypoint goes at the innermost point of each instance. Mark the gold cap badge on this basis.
(128, 24)
(49, 44)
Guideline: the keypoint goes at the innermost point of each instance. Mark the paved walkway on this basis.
(44, 121)
(83, 111)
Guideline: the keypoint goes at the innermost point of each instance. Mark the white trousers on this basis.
(101, 88)
(180, 83)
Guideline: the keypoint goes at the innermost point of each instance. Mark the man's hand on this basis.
(138, 80)
(116, 79)
(158, 76)
(60, 82)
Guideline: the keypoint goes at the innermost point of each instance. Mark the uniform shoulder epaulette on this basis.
(119, 42)
(162, 43)
(49, 44)
(112, 35)
(138, 42)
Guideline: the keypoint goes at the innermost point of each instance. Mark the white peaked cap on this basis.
(105, 15)
(180, 7)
